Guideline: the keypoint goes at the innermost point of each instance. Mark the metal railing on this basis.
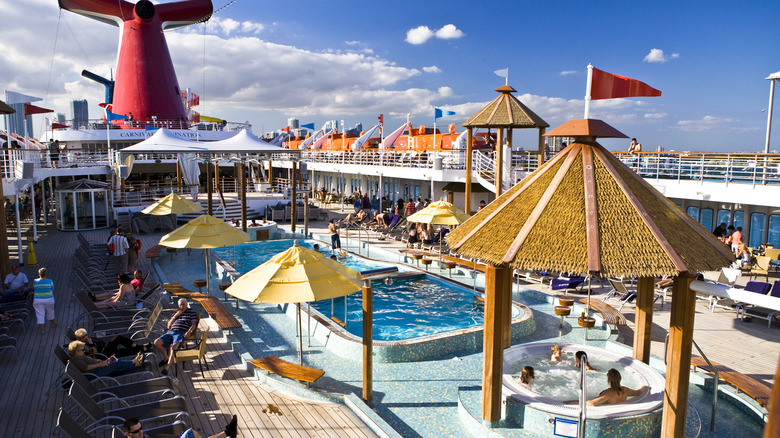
(142, 122)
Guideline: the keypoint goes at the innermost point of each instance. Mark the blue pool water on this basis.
(408, 308)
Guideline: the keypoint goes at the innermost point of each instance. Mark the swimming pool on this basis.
(250, 255)
(405, 308)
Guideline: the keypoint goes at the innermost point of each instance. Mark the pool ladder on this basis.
(715, 372)
(583, 395)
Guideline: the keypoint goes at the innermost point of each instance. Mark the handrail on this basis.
(714, 371)
(583, 394)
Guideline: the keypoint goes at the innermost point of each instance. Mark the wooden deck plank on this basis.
(226, 388)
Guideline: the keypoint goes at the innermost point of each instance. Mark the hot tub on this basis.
(538, 408)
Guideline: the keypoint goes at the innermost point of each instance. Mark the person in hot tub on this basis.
(555, 353)
(578, 358)
(526, 375)
(615, 393)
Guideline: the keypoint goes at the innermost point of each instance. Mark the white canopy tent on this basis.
(165, 142)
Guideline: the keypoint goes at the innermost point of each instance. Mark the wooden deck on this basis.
(227, 388)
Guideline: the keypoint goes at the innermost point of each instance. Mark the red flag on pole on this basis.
(285, 129)
(32, 109)
(608, 86)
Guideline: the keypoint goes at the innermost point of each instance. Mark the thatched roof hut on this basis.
(505, 111)
(585, 211)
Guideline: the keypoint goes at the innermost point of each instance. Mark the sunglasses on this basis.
(137, 430)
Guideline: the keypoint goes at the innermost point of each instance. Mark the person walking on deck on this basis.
(120, 247)
(43, 303)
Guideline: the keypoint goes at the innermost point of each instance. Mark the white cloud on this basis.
(655, 115)
(569, 72)
(421, 34)
(449, 32)
(418, 35)
(706, 123)
(245, 76)
(658, 56)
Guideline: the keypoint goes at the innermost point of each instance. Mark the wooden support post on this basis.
(499, 181)
(178, 177)
(506, 310)
(270, 172)
(293, 195)
(772, 428)
(242, 182)
(644, 319)
(469, 164)
(497, 284)
(208, 186)
(306, 213)
(368, 342)
(678, 366)
(541, 147)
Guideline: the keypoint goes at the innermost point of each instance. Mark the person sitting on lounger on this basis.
(615, 393)
(101, 368)
(180, 326)
(133, 429)
(115, 345)
(124, 297)
(355, 218)
(16, 286)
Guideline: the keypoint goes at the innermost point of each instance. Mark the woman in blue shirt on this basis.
(43, 303)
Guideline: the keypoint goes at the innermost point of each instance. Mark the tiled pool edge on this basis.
(354, 403)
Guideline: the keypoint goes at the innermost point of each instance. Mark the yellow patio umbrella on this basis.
(297, 275)
(205, 232)
(172, 204)
(439, 213)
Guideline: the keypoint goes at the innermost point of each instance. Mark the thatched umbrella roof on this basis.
(505, 111)
(585, 211)
(5, 108)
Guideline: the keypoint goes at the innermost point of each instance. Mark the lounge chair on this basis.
(7, 345)
(73, 429)
(168, 410)
(618, 290)
(764, 312)
(566, 283)
(193, 354)
(758, 287)
(761, 267)
(156, 388)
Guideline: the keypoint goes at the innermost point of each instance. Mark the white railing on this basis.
(391, 158)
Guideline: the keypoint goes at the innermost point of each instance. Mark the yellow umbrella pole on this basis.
(300, 336)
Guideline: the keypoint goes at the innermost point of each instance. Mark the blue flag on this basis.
(308, 126)
(111, 116)
(438, 112)
(150, 128)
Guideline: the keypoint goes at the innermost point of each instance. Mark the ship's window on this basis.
(723, 217)
(693, 212)
(773, 231)
(705, 218)
(739, 218)
(757, 226)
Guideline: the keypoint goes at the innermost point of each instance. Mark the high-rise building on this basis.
(16, 121)
(79, 111)
(294, 123)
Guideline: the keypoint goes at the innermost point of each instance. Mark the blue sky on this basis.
(268, 60)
